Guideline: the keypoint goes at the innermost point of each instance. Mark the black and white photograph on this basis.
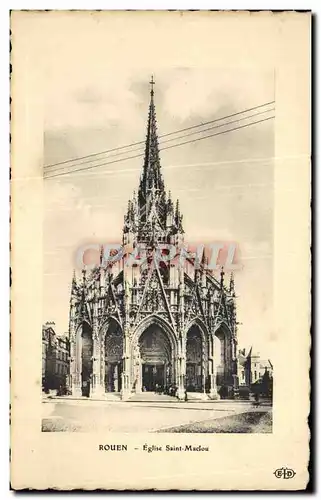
(160, 301)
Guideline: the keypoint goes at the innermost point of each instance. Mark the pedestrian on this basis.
(186, 398)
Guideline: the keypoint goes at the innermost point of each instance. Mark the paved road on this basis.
(152, 416)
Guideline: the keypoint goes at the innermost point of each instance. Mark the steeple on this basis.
(151, 216)
(151, 209)
(151, 180)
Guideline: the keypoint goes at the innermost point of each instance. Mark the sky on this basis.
(224, 183)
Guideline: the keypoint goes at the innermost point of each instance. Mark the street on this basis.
(161, 415)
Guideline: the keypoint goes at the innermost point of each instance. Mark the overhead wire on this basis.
(160, 136)
(161, 149)
(166, 141)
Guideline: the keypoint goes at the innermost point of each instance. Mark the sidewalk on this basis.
(154, 400)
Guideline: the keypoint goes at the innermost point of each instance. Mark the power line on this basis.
(162, 149)
(170, 140)
(164, 135)
(219, 133)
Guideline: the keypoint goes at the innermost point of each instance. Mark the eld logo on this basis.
(284, 473)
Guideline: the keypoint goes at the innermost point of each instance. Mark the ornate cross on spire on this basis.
(152, 83)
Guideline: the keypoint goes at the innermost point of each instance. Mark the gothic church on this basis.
(163, 325)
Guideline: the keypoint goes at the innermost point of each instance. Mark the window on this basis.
(255, 375)
(243, 375)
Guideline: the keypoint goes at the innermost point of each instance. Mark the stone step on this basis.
(151, 396)
(112, 396)
(197, 396)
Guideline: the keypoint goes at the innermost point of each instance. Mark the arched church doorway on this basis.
(86, 359)
(156, 359)
(223, 360)
(113, 357)
(194, 360)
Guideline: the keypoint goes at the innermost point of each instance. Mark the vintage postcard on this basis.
(160, 250)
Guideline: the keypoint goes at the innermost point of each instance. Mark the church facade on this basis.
(165, 324)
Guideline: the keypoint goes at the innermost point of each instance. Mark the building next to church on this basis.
(252, 368)
(134, 328)
(55, 357)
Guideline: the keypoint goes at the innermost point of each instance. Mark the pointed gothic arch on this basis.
(106, 324)
(157, 320)
(223, 327)
(200, 324)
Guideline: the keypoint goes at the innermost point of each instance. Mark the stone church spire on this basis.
(151, 180)
(151, 216)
